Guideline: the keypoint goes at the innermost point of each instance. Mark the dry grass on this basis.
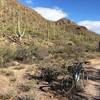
(12, 83)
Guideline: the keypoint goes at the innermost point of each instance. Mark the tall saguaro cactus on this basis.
(20, 31)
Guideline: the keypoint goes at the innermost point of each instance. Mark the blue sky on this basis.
(83, 12)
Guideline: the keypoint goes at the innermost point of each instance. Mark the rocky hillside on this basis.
(18, 21)
(14, 15)
(31, 45)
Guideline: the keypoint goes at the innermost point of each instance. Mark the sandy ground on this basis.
(92, 90)
(93, 87)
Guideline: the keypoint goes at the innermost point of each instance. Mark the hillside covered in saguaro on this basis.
(35, 52)
(20, 21)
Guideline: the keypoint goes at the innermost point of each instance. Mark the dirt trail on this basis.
(92, 90)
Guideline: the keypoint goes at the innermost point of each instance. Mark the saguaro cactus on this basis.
(21, 32)
(20, 29)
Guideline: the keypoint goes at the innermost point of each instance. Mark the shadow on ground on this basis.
(93, 74)
(55, 88)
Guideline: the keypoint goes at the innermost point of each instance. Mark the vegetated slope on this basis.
(26, 37)
(16, 19)
(12, 12)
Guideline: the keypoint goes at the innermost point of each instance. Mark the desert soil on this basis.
(7, 84)
(92, 89)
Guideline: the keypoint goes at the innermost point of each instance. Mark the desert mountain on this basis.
(18, 20)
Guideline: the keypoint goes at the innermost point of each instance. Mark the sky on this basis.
(83, 12)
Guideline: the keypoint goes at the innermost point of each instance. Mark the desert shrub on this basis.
(23, 87)
(42, 53)
(25, 53)
(59, 80)
(74, 51)
(68, 51)
(48, 74)
(24, 97)
(6, 55)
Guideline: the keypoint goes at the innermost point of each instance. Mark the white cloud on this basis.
(91, 25)
(28, 1)
(52, 14)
